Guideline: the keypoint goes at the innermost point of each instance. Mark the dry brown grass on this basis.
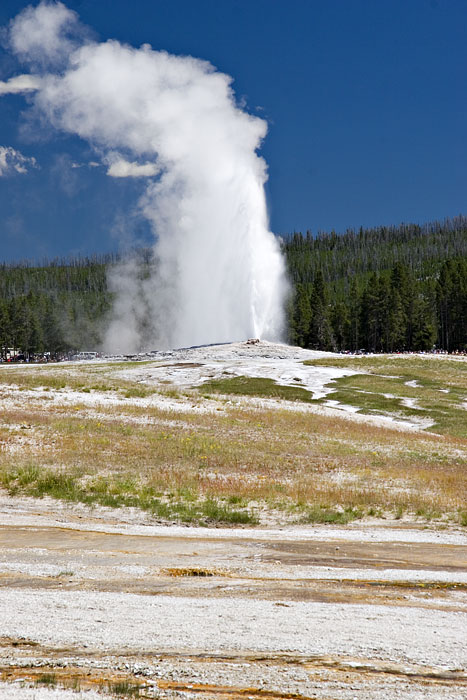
(286, 459)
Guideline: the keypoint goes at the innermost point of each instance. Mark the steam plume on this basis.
(218, 273)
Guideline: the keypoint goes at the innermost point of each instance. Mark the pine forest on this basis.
(385, 289)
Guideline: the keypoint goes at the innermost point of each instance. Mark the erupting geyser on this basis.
(218, 272)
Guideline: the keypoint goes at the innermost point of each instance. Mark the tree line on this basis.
(382, 289)
(54, 307)
(388, 311)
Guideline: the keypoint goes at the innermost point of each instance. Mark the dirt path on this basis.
(367, 612)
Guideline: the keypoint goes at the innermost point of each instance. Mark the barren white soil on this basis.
(95, 602)
(190, 612)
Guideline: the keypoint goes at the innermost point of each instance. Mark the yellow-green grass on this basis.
(225, 465)
(125, 689)
(47, 679)
(439, 393)
(255, 386)
(77, 378)
(287, 460)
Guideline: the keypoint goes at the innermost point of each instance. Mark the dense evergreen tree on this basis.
(320, 331)
(300, 316)
(384, 289)
(451, 296)
(55, 307)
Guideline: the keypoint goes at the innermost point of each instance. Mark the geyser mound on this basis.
(217, 271)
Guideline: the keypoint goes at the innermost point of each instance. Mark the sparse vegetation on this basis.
(191, 571)
(115, 492)
(51, 377)
(225, 466)
(47, 679)
(405, 387)
(125, 689)
(323, 514)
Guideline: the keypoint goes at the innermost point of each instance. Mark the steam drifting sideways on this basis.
(173, 122)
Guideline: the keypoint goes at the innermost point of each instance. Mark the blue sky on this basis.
(366, 103)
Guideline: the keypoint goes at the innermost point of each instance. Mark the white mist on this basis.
(173, 122)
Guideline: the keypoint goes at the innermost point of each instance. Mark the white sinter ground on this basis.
(191, 367)
(374, 610)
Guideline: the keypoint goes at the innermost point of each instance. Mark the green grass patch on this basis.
(428, 513)
(47, 679)
(331, 516)
(436, 388)
(115, 492)
(255, 386)
(428, 367)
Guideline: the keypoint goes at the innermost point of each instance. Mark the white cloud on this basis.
(12, 161)
(19, 84)
(44, 34)
(123, 168)
(90, 164)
